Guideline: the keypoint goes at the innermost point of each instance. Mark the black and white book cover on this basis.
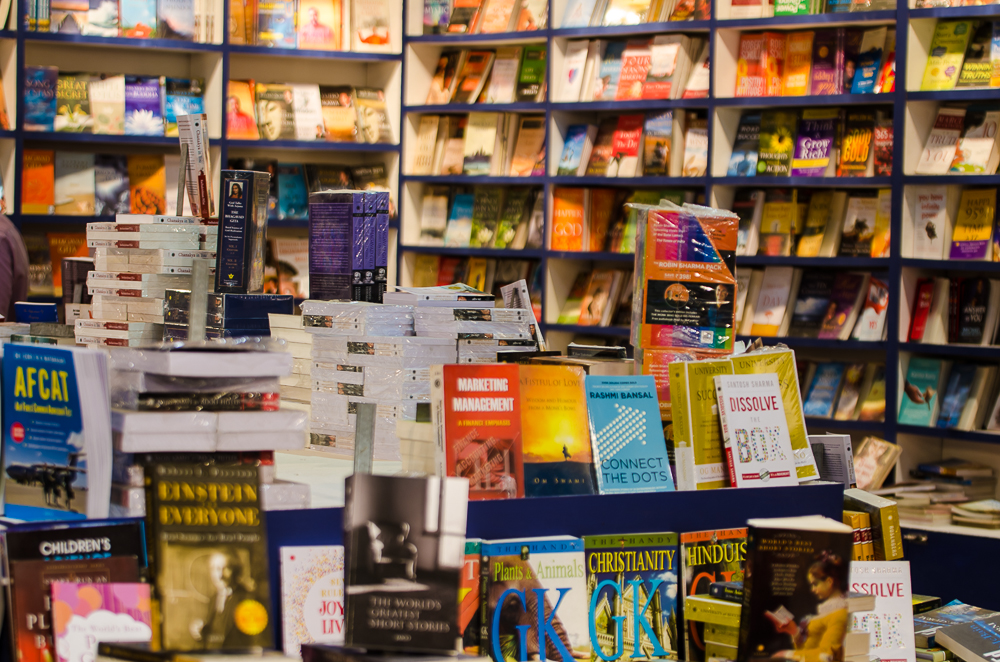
(404, 540)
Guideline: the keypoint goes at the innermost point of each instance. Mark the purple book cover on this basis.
(845, 294)
(824, 69)
(812, 145)
(330, 242)
(381, 241)
(143, 114)
(358, 248)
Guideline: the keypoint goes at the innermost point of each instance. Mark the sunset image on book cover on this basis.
(404, 541)
(208, 550)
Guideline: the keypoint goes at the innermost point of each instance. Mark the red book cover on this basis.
(468, 597)
(625, 145)
(636, 61)
(882, 139)
(921, 308)
(479, 417)
(749, 71)
(773, 63)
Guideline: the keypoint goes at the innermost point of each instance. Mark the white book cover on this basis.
(574, 65)
(976, 147)
(308, 112)
(939, 150)
(74, 183)
(312, 596)
(433, 219)
(107, 104)
(930, 222)
(530, 139)
(891, 622)
(697, 84)
(480, 142)
(695, 152)
(423, 155)
(772, 301)
(755, 431)
(503, 78)
(371, 20)
(871, 322)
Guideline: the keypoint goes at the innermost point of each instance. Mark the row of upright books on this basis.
(505, 75)
(465, 17)
(113, 105)
(302, 111)
(955, 310)
(816, 62)
(961, 56)
(843, 391)
(314, 25)
(949, 395)
(187, 20)
(594, 13)
(602, 297)
(479, 217)
(961, 141)
(480, 143)
(768, 8)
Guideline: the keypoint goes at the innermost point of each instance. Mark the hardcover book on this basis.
(707, 557)
(312, 596)
(632, 595)
(143, 115)
(87, 613)
(626, 434)
(36, 556)
(40, 85)
(556, 438)
(489, 457)
(194, 558)
(404, 541)
(72, 103)
(535, 594)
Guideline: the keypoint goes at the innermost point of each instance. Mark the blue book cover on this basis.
(381, 242)
(181, 96)
(956, 394)
(40, 98)
(48, 432)
(458, 232)
(276, 23)
(138, 18)
(358, 248)
(576, 138)
(611, 69)
(529, 578)
(630, 452)
(111, 191)
(330, 230)
(33, 311)
(823, 391)
(866, 71)
(920, 396)
(143, 110)
(175, 19)
(633, 576)
(293, 197)
(743, 162)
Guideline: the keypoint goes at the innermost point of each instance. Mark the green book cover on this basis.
(947, 51)
(485, 214)
(531, 77)
(777, 142)
(73, 103)
(791, 7)
(920, 400)
(514, 209)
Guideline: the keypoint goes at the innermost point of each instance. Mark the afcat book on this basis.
(535, 596)
(632, 596)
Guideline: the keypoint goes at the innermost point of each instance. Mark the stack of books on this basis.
(960, 55)
(961, 141)
(481, 332)
(480, 143)
(946, 395)
(505, 75)
(104, 104)
(302, 111)
(227, 315)
(8, 329)
(981, 514)
(296, 388)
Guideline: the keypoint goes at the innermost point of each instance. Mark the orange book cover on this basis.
(477, 410)
(320, 24)
(798, 63)
(773, 58)
(749, 74)
(147, 177)
(38, 182)
(241, 120)
(568, 212)
(468, 597)
(64, 244)
(602, 209)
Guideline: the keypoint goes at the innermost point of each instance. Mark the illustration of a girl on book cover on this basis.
(819, 637)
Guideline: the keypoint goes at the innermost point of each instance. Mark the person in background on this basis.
(13, 268)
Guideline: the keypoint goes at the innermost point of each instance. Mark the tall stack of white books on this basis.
(479, 333)
(296, 388)
(136, 259)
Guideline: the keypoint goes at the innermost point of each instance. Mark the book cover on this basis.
(330, 242)
(773, 63)
(182, 96)
(242, 229)
(472, 76)
(568, 219)
(811, 303)
(919, 403)
(825, 76)
(859, 227)
(276, 23)
(390, 523)
(882, 138)
(147, 179)
(632, 595)
(293, 197)
(571, 308)
(307, 111)
(340, 117)
(939, 150)
(871, 322)
(530, 143)
(695, 161)
(810, 597)
(956, 394)
(275, 111)
(85, 614)
(822, 393)
(946, 53)
(40, 555)
(241, 113)
(847, 401)
(578, 13)
(657, 138)
(698, 445)
(749, 69)
(891, 622)
(556, 438)
(859, 128)
(574, 145)
(777, 223)
(707, 557)
(480, 141)
(497, 16)
(977, 67)
(74, 186)
(977, 144)
(373, 117)
(813, 230)
(743, 161)
(515, 209)
(606, 84)
(755, 431)
(625, 146)
(928, 623)
(371, 20)
(503, 78)
(458, 231)
(772, 301)
(798, 63)
(40, 101)
(630, 454)
(929, 223)
(175, 19)
(531, 76)
(777, 143)
(486, 207)
(974, 294)
(463, 15)
(111, 189)
(600, 154)
(143, 113)
(312, 596)
(138, 19)
(73, 104)
(535, 594)
(319, 25)
(846, 287)
(814, 142)
(662, 69)
(873, 405)
(868, 62)
(971, 238)
(470, 597)
(533, 15)
(636, 62)
(224, 560)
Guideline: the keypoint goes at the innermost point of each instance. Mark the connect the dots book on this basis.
(630, 453)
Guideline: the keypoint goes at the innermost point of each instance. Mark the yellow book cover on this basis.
(425, 270)
(971, 238)
(798, 63)
(817, 218)
(947, 52)
(699, 453)
(476, 273)
(782, 362)
(777, 221)
(147, 177)
(883, 219)
(555, 431)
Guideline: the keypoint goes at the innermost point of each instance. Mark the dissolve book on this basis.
(891, 622)
(630, 453)
(755, 432)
